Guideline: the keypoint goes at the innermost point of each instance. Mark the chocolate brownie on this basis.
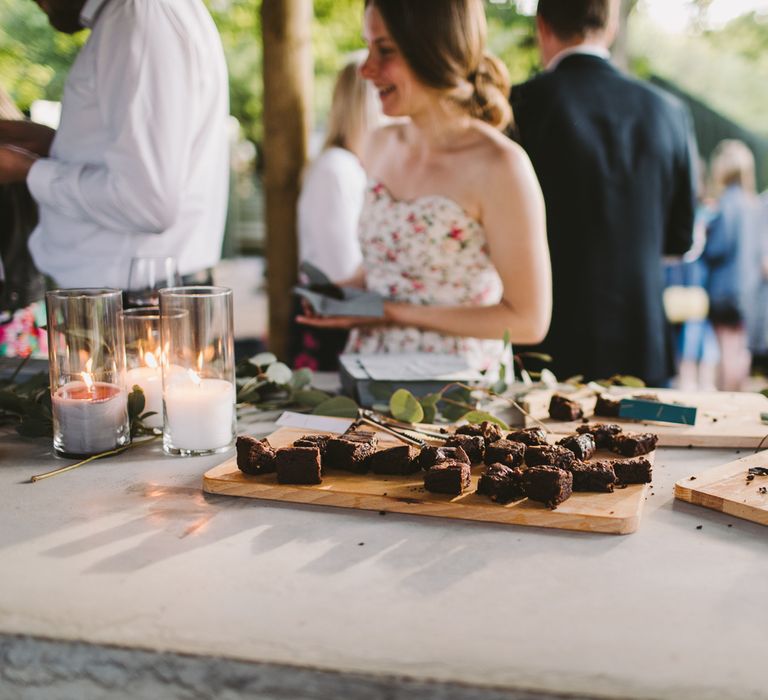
(633, 471)
(607, 407)
(603, 433)
(298, 465)
(473, 445)
(549, 485)
(503, 484)
(254, 456)
(450, 477)
(529, 436)
(349, 452)
(394, 460)
(634, 444)
(563, 408)
(313, 440)
(582, 446)
(489, 431)
(593, 476)
(430, 456)
(549, 455)
(505, 452)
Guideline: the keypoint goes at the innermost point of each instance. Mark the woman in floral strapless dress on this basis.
(452, 229)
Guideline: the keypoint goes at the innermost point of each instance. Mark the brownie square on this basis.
(313, 440)
(473, 446)
(490, 432)
(634, 444)
(298, 465)
(399, 459)
(563, 408)
(582, 446)
(549, 485)
(430, 456)
(549, 455)
(607, 407)
(503, 484)
(449, 477)
(603, 433)
(505, 452)
(349, 452)
(254, 456)
(633, 471)
(593, 476)
(529, 436)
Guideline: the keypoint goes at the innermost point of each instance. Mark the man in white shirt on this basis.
(139, 165)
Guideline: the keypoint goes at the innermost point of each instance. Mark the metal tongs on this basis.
(402, 431)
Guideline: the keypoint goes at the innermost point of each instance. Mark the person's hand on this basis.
(15, 164)
(33, 137)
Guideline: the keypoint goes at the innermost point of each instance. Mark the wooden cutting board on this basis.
(725, 488)
(724, 419)
(614, 513)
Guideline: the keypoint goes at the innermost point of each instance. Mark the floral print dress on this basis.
(425, 251)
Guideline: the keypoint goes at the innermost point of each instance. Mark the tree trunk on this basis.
(286, 28)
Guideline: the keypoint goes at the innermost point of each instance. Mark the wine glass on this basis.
(147, 276)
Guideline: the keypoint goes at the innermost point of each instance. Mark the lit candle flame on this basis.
(88, 376)
(200, 361)
(150, 360)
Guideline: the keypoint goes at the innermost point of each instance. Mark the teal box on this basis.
(642, 409)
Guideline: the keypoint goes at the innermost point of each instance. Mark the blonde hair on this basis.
(443, 42)
(733, 164)
(355, 108)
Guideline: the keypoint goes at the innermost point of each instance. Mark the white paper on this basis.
(418, 366)
(289, 419)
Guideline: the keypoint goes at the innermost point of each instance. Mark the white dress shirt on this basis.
(329, 212)
(140, 163)
(581, 49)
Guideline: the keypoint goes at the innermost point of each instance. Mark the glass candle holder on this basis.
(198, 370)
(143, 351)
(86, 349)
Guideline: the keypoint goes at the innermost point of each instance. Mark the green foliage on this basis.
(481, 416)
(338, 406)
(404, 406)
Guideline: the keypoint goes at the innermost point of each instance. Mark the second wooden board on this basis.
(614, 513)
(726, 489)
(724, 419)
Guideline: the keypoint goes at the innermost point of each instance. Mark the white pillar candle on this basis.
(199, 413)
(90, 419)
(150, 379)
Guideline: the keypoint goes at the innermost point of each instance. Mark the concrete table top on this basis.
(129, 554)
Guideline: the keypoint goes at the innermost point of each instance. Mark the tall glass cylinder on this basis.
(86, 349)
(196, 325)
(143, 351)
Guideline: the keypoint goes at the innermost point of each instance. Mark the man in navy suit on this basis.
(614, 157)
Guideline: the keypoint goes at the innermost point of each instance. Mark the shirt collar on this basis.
(581, 49)
(90, 12)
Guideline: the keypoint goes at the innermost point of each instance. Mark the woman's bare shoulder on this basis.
(382, 140)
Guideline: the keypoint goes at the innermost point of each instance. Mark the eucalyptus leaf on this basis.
(499, 387)
(480, 416)
(262, 359)
(301, 378)
(452, 412)
(430, 412)
(404, 406)
(279, 373)
(310, 397)
(627, 380)
(339, 407)
(136, 403)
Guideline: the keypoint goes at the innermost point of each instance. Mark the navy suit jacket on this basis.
(614, 157)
